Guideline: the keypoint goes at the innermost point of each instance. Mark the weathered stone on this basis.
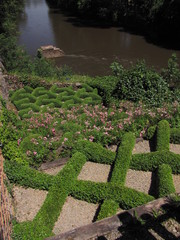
(50, 52)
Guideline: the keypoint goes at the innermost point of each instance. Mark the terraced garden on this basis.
(67, 123)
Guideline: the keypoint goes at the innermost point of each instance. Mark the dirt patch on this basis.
(75, 213)
(27, 202)
(139, 180)
(94, 172)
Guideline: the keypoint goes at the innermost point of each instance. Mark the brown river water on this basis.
(88, 50)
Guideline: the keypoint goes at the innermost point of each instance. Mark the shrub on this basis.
(151, 132)
(40, 99)
(31, 98)
(43, 223)
(23, 175)
(37, 90)
(165, 185)
(66, 98)
(28, 89)
(77, 100)
(95, 152)
(150, 161)
(51, 95)
(163, 136)
(59, 96)
(96, 192)
(19, 104)
(87, 87)
(95, 96)
(88, 100)
(33, 106)
(56, 102)
(23, 112)
(175, 135)
(17, 95)
(108, 209)
(67, 103)
(141, 84)
(123, 159)
(83, 95)
(104, 86)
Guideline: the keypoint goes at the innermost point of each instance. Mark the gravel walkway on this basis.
(141, 147)
(176, 180)
(75, 213)
(53, 171)
(175, 148)
(138, 180)
(27, 202)
(95, 172)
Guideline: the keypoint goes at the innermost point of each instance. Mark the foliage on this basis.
(172, 73)
(108, 209)
(163, 136)
(150, 161)
(141, 84)
(123, 159)
(43, 223)
(165, 184)
(175, 135)
(95, 192)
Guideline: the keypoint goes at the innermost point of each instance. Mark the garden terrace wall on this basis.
(5, 206)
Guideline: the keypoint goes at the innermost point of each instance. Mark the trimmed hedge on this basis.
(19, 103)
(23, 175)
(43, 223)
(165, 183)
(17, 95)
(163, 136)
(24, 112)
(175, 135)
(123, 159)
(108, 209)
(95, 152)
(150, 161)
(96, 192)
(37, 90)
(87, 87)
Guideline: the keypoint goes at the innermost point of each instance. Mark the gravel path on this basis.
(141, 147)
(175, 148)
(27, 202)
(138, 180)
(75, 213)
(53, 171)
(176, 180)
(94, 172)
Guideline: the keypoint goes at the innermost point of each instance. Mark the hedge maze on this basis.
(28, 99)
(110, 195)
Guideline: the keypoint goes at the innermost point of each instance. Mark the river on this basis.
(88, 49)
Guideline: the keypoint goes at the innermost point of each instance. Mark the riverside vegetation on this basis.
(79, 122)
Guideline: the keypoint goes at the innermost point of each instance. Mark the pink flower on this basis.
(19, 140)
(65, 139)
(34, 153)
(53, 131)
